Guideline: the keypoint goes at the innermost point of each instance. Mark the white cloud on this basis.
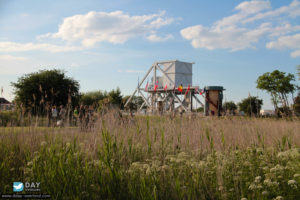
(113, 27)
(10, 57)
(227, 38)
(244, 9)
(232, 33)
(156, 38)
(292, 10)
(252, 7)
(291, 42)
(20, 47)
(284, 29)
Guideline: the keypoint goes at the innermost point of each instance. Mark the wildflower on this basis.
(29, 163)
(165, 167)
(135, 164)
(96, 163)
(268, 182)
(279, 198)
(296, 175)
(276, 169)
(265, 169)
(43, 143)
(275, 183)
(243, 198)
(68, 145)
(146, 166)
(257, 179)
(259, 186)
(247, 163)
(201, 164)
(182, 155)
(265, 193)
(252, 186)
(259, 150)
(148, 171)
(292, 184)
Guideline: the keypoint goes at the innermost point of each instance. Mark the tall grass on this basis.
(157, 158)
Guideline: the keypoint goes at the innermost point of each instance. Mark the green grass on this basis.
(157, 158)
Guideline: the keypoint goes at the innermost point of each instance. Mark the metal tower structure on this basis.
(163, 94)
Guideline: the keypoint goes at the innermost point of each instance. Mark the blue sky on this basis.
(109, 44)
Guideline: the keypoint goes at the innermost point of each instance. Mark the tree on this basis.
(279, 85)
(230, 105)
(50, 87)
(251, 105)
(115, 97)
(296, 105)
(92, 98)
(135, 103)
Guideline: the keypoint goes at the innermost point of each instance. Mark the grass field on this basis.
(157, 158)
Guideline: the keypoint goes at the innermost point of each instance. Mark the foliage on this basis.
(115, 97)
(135, 103)
(46, 86)
(279, 85)
(230, 105)
(296, 105)
(92, 98)
(98, 98)
(200, 109)
(8, 118)
(251, 105)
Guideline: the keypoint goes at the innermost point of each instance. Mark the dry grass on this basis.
(180, 145)
(189, 134)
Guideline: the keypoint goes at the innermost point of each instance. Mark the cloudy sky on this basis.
(109, 44)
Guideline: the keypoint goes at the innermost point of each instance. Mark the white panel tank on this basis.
(179, 72)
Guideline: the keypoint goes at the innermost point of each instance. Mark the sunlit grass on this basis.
(157, 158)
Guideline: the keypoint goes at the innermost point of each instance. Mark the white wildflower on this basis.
(292, 184)
(257, 179)
(252, 186)
(296, 175)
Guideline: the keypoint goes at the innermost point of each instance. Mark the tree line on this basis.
(35, 91)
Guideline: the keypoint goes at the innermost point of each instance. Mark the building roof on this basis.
(3, 101)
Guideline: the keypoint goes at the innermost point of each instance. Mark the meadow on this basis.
(156, 157)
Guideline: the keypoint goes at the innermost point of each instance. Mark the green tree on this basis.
(50, 87)
(92, 98)
(251, 105)
(230, 106)
(296, 105)
(115, 97)
(112, 98)
(135, 103)
(279, 85)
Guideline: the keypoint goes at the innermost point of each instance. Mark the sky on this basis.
(110, 44)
